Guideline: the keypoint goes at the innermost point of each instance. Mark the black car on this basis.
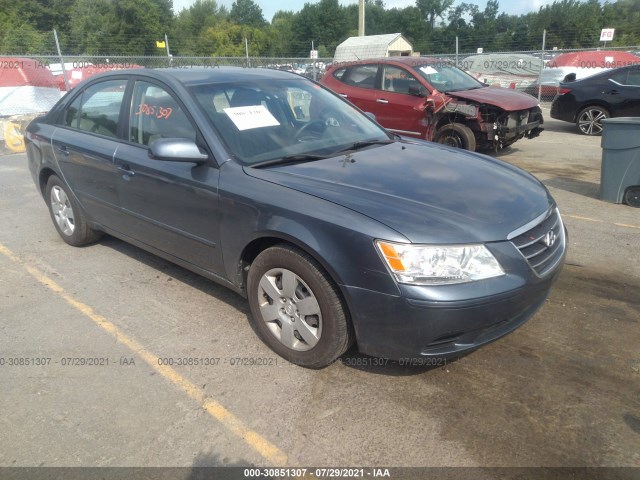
(586, 102)
(336, 230)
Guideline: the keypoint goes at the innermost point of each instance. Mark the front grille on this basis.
(543, 245)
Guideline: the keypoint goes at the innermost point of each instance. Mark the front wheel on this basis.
(296, 308)
(67, 216)
(456, 135)
(589, 120)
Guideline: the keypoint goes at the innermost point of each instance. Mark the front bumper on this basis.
(450, 320)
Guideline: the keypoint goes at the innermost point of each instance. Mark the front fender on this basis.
(340, 239)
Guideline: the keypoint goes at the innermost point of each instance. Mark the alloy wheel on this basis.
(289, 309)
(62, 211)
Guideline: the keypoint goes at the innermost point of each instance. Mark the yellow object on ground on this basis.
(13, 137)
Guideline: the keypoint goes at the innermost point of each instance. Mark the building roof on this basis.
(371, 46)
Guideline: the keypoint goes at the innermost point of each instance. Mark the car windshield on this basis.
(263, 121)
(447, 78)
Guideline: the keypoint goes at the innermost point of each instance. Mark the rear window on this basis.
(97, 109)
(339, 73)
(363, 76)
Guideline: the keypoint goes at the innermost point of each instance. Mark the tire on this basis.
(589, 120)
(632, 197)
(456, 135)
(282, 282)
(67, 216)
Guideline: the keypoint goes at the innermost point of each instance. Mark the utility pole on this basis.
(64, 72)
(544, 44)
(166, 44)
(361, 19)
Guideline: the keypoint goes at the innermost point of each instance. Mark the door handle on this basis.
(382, 100)
(613, 92)
(126, 170)
(343, 95)
(63, 150)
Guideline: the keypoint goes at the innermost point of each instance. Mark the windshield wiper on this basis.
(365, 143)
(303, 157)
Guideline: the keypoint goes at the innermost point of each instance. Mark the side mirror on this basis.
(571, 77)
(418, 90)
(371, 116)
(176, 150)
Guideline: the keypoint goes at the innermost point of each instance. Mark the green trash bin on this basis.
(620, 170)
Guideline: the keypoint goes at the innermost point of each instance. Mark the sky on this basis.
(270, 7)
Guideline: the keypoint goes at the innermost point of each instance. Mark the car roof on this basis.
(603, 74)
(408, 61)
(205, 75)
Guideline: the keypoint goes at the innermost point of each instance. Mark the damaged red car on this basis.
(434, 100)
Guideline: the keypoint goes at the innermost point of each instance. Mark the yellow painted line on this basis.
(627, 226)
(266, 449)
(624, 225)
(577, 217)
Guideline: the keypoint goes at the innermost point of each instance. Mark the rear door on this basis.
(358, 84)
(84, 145)
(623, 93)
(170, 206)
(398, 105)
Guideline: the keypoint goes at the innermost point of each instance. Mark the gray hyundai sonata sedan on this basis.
(335, 230)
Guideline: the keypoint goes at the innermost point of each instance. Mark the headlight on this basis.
(439, 264)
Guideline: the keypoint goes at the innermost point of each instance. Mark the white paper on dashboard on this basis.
(253, 116)
(429, 70)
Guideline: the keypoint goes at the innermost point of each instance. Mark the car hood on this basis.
(505, 98)
(427, 192)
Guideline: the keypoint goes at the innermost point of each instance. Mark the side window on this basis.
(72, 113)
(97, 109)
(363, 76)
(619, 77)
(633, 77)
(156, 114)
(398, 80)
(339, 73)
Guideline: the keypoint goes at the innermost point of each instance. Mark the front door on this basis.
(399, 104)
(170, 206)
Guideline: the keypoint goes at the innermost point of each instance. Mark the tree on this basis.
(246, 12)
(281, 34)
(89, 27)
(324, 23)
(432, 9)
(135, 25)
(191, 24)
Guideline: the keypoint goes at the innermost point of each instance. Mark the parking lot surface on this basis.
(110, 356)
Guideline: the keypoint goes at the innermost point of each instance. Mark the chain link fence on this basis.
(536, 72)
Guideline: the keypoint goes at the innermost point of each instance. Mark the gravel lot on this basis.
(563, 390)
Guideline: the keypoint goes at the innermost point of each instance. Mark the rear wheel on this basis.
(589, 120)
(456, 135)
(296, 307)
(68, 218)
(632, 197)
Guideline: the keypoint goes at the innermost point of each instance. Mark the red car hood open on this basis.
(507, 99)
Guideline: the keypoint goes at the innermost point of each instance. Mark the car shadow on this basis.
(581, 187)
(352, 358)
(177, 272)
(395, 368)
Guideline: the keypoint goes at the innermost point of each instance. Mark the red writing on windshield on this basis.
(158, 112)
